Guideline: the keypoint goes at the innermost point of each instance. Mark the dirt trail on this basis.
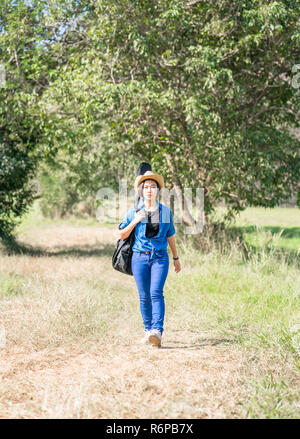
(182, 379)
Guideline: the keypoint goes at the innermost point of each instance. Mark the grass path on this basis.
(72, 343)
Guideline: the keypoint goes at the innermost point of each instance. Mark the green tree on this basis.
(200, 89)
(36, 40)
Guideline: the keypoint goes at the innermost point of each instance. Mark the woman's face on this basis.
(150, 189)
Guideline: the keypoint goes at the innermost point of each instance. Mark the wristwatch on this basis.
(175, 259)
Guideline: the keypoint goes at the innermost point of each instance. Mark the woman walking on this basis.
(154, 230)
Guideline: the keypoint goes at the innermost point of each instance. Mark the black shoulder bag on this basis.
(121, 259)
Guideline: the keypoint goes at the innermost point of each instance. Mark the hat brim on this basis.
(156, 177)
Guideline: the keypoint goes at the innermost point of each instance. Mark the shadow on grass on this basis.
(201, 343)
(214, 236)
(13, 247)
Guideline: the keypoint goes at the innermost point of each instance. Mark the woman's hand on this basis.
(124, 233)
(177, 265)
(139, 216)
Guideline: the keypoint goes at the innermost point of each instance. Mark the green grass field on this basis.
(71, 325)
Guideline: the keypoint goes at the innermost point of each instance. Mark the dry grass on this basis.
(72, 328)
(122, 380)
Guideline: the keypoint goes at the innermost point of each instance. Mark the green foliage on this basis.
(61, 196)
(55, 196)
(201, 90)
(23, 61)
(36, 38)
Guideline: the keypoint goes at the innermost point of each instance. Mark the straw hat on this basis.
(149, 175)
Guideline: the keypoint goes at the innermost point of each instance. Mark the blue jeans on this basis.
(150, 276)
